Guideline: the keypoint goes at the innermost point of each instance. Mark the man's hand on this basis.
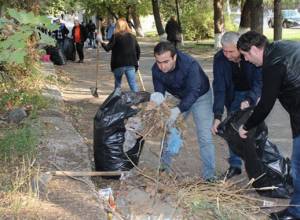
(242, 132)
(157, 98)
(214, 128)
(244, 104)
(173, 116)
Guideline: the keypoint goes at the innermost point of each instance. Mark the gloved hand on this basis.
(157, 98)
(173, 116)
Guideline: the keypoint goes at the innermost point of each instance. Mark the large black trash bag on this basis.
(109, 131)
(262, 158)
(69, 49)
(56, 55)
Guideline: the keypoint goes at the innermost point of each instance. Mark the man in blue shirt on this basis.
(237, 85)
(182, 76)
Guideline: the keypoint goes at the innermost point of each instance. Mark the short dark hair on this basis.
(163, 47)
(251, 38)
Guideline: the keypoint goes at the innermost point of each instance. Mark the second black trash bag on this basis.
(261, 157)
(109, 131)
(69, 49)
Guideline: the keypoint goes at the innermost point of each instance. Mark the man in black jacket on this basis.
(91, 28)
(280, 63)
(173, 31)
(60, 34)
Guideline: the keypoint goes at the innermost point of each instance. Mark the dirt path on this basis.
(83, 106)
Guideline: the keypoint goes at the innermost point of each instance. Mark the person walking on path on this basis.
(181, 75)
(60, 34)
(79, 36)
(91, 28)
(110, 29)
(236, 85)
(280, 62)
(173, 31)
(125, 54)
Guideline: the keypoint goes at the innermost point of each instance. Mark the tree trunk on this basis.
(218, 21)
(158, 23)
(179, 22)
(277, 20)
(137, 23)
(257, 15)
(245, 17)
(228, 7)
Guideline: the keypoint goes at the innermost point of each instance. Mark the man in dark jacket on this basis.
(182, 76)
(79, 36)
(236, 85)
(280, 63)
(60, 34)
(173, 31)
(91, 28)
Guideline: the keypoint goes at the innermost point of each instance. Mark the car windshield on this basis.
(290, 13)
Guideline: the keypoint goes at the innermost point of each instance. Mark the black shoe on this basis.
(80, 61)
(231, 172)
(283, 215)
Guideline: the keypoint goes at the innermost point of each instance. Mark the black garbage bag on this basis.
(56, 55)
(262, 158)
(69, 49)
(109, 131)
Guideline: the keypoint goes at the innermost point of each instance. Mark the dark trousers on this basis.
(79, 49)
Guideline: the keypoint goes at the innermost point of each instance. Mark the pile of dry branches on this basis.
(154, 118)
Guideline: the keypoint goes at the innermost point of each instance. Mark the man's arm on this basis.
(256, 87)
(219, 88)
(194, 83)
(157, 81)
(272, 81)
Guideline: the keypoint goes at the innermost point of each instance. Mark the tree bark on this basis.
(257, 15)
(158, 23)
(218, 21)
(245, 16)
(277, 20)
(137, 23)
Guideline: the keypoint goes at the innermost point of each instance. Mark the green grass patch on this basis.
(287, 34)
(19, 98)
(20, 141)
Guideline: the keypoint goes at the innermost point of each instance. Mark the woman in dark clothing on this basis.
(173, 31)
(125, 54)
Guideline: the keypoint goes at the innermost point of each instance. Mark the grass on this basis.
(19, 141)
(287, 34)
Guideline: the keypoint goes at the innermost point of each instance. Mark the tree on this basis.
(137, 22)
(218, 21)
(157, 18)
(119, 8)
(277, 20)
(256, 15)
(245, 16)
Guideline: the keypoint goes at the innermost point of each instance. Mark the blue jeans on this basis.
(234, 160)
(203, 117)
(295, 161)
(130, 75)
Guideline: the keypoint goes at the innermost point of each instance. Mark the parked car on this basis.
(290, 18)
